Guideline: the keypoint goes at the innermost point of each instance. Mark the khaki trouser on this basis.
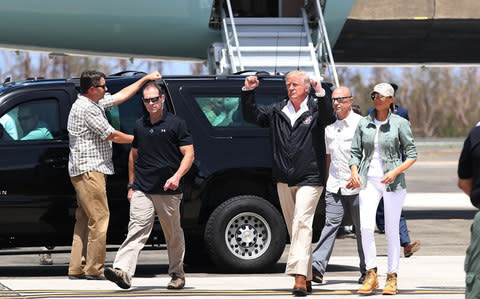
(142, 215)
(90, 232)
(298, 206)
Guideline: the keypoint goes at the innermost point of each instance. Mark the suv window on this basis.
(34, 120)
(123, 117)
(225, 111)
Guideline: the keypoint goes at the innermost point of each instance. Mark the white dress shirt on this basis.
(293, 115)
(338, 141)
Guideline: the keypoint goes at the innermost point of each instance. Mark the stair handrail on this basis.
(234, 32)
(227, 40)
(323, 35)
(316, 69)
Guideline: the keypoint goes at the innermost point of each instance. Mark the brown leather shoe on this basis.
(177, 283)
(411, 249)
(300, 287)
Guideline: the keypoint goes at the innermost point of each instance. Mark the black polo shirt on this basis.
(159, 155)
(469, 164)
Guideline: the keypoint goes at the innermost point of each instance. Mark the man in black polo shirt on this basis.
(162, 153)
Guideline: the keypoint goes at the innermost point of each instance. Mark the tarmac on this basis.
(437, 213)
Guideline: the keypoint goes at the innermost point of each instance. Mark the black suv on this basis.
(230, 201)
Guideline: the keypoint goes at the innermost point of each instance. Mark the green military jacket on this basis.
(394, 135)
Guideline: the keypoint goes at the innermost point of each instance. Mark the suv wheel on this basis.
(246, 234)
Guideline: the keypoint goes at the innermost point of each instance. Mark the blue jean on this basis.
(404, 237)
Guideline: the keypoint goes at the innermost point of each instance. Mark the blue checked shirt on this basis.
(88, 129)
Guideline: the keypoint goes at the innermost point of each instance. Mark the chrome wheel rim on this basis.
(248, 236)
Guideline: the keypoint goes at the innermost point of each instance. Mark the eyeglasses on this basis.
(377, 96)
(101, 86)
(25, 117)
(153, 100)
(340, 99)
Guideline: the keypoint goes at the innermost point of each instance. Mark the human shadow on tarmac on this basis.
(143, 270)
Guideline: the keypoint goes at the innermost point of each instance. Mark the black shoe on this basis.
(316, 276)
(78, 276)
(362, 278)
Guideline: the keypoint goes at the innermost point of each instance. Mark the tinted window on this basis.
(226, 111)
(123, 117)
(35, 120)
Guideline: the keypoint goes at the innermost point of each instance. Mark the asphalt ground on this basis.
(437, 213)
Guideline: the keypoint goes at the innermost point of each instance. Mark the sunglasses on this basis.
(377, 96)
(101, 86)
(152, 100)
(340, 99)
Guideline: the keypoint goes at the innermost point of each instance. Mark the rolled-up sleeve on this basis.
(356, 151)
(407, 140)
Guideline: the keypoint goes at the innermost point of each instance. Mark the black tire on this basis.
(256, 234)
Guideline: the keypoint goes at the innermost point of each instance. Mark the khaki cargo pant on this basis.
(142, 215)
(90, 232)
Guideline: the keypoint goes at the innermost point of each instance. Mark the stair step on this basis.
(261, 61)
(266, 21)
(267, 34)
(282, 70)
(273, 49)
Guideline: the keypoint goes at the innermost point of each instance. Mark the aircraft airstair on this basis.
(273, 45)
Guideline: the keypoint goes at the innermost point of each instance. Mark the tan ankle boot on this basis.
(370, 284)
(300, 287)
(391, 285)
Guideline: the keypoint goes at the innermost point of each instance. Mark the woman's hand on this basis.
(389, 177)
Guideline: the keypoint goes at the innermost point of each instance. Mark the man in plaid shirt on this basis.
(90, 160)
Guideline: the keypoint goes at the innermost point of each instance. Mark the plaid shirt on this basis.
(88, 129)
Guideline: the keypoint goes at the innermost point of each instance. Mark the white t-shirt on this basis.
(376, 166)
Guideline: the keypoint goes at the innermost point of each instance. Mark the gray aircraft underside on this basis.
(361, 31)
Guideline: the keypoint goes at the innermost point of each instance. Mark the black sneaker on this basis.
(118, 276)
(316, 276)
(362, 278)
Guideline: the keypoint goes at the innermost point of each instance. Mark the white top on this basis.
(338, 141)
(376, 166)
(289, 110)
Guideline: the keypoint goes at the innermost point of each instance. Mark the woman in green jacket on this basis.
(377, 167)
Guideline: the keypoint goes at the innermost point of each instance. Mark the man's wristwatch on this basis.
(129, 186)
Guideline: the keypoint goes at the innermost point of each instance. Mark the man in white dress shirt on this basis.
(338, 140)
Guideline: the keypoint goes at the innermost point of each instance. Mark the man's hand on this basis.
(129, 194)
(172, 183)
(251, 82)
(154, 76)
(354, 182)
(317, 85)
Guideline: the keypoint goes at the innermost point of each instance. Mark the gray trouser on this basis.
(142, 215)
(336, 204)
